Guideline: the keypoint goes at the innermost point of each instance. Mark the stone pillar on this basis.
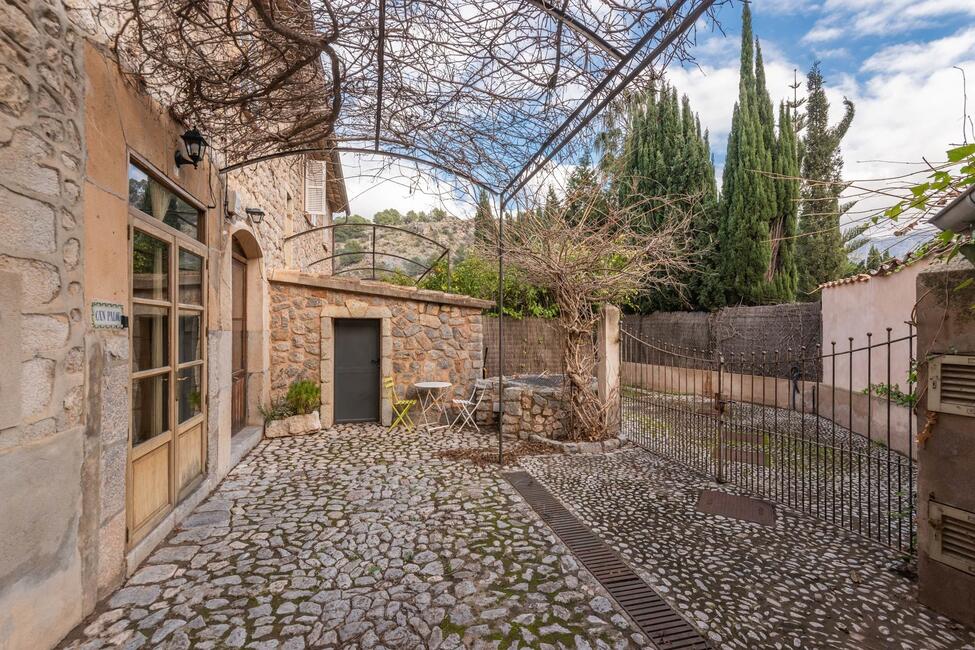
(608, 365)
(946, 443)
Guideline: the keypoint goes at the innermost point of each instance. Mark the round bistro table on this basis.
(433, 400)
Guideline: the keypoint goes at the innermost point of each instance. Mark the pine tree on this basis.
(875, 258)
(483, 221)
(582, 181)
(749, 202)
(822, 255)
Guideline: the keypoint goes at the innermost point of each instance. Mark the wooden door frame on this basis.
(175, 240)
(243, 261)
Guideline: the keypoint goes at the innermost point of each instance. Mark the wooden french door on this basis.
(238, 391)
(168, 331)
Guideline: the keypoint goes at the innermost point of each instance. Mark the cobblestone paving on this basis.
(812, 464)
(799, 584)
(358, 538)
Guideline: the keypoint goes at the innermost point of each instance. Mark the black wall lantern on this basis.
(256, 215)
(196, 146)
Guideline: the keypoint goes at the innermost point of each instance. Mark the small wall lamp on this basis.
(256, 215)
(196, 146)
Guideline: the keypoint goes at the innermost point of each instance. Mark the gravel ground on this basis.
(801, 583)
(360, 538)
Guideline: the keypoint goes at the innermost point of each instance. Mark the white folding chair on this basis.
(466, 408)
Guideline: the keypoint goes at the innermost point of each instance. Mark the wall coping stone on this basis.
(376, 288)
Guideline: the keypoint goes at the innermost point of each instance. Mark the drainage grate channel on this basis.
(655, 618)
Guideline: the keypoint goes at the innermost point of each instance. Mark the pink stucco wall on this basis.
(858, 308)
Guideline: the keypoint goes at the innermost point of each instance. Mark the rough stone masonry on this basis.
(433, 336)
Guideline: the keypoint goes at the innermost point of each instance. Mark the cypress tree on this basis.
(664, 154)
(749, 201)
(483, 221)
(822, 251)
(783, 272)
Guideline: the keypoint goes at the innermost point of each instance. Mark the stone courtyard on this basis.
(800, 583)
(359, 538)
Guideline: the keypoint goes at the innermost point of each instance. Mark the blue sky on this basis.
(892, 58)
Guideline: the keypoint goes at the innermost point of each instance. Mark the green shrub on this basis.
(477, 277)
(304, 396)
(278, 410)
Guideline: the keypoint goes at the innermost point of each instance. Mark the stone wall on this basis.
(532, 405)
(435, 336)
(44, 447)
(277, 187)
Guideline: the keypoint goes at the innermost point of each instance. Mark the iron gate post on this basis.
(720, 403)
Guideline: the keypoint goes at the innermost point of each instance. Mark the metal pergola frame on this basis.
(582, 115)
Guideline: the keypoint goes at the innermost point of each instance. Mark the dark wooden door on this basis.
(356, 370)
(238, 386)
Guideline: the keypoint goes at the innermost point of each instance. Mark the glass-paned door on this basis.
(168, 441)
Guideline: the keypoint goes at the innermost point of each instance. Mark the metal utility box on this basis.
(946, 441)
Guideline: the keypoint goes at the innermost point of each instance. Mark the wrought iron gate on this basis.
(830, 434)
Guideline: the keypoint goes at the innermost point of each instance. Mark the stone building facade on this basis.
(425, 335)
(75, 134)
(148, 311)
(46, 531)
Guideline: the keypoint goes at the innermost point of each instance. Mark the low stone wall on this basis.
(427, 335)
(533, 405)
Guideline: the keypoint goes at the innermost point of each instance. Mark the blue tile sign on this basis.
(106, 314)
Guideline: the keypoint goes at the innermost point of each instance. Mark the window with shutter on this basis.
(315, 191)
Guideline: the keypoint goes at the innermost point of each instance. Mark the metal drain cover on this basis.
(757, 511)
(666, 629)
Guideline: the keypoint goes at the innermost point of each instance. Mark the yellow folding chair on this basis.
(401, 407)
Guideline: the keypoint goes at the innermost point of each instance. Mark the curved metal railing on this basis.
(373, 254)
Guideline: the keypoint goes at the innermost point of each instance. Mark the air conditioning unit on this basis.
(235, 206)
(951, 384)
(953, 540)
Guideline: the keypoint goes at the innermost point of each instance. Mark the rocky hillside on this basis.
(354, 241)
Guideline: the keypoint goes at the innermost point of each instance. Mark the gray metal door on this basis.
(356, 370)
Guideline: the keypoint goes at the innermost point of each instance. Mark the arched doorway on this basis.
(247, 304)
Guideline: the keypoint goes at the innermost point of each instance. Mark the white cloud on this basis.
(375, 183)
(853, 18)
(923, 58)
(785, 7)
(822, 34)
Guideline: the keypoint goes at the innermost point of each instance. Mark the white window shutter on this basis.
(315, 190)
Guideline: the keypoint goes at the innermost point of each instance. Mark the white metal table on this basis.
(433, 396)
